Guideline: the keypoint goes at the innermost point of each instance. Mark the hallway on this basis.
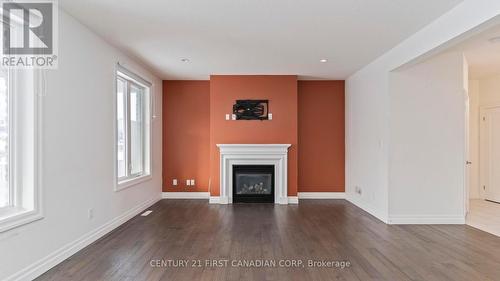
(484, 215)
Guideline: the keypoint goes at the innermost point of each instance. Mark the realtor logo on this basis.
(29, 39)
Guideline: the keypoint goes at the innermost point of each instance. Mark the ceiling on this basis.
(483, 56)
(256, 36)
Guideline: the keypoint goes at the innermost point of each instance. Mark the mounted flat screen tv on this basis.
(251, 109)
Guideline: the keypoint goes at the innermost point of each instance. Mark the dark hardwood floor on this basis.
(333, 230)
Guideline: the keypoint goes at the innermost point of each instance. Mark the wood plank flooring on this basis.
(331, 230)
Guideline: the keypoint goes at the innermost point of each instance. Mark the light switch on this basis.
(270, 116)
(192, 182)
(188, 182)
(227, 116)
(174, 182)
(233, 116)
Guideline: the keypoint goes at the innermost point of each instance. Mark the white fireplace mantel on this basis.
(253, 154)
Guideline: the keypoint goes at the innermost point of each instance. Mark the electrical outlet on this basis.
(227, 117)
(174, 182)
(192, 182)
(188, 182)
(358, 190)
(90, 213)
(233, 116)
(269, 116)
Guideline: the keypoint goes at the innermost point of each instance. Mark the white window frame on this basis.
(25, 155)
(123, 73)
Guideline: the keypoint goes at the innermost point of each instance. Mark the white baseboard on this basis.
(321, 195)
(185, 195)
(38, 268)
(426, 220)
(293, 200)
(369, 209)
(214, 200)
(406, 219)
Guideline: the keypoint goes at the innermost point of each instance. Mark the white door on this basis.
(490, 153)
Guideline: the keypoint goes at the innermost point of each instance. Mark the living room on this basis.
(243, 140)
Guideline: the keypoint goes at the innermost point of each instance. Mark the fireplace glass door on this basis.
(253, 183)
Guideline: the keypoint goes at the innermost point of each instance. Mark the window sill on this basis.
(131, 182)
(14, 217)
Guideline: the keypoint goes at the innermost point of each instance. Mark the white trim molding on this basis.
(130, 180)
(377, 213)
(214, 200)
(25, 92)
(426, 220)
(36, 269)
(254, 154)
(321, 195)
(185, 195)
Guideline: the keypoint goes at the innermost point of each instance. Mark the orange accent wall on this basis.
(186, 134)
(281, 91)
(321, 136)
(307, 114)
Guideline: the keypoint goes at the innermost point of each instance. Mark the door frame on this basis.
(482, 165)
(467, 155)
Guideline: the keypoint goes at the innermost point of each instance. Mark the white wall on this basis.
(489, 91)
(427, 144)
(366, 143)
(474, 139)
(78, 157)
(367, 103)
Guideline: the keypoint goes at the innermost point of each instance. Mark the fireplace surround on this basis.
(275, 155)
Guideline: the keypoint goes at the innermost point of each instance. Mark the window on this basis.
(133, 119)
(5, 187)
(19, 138)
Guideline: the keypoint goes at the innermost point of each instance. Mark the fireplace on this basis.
(253, 183)
(275, 155)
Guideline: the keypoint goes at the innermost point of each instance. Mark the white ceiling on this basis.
(256, 36)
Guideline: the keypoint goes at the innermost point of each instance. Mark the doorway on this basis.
(490, 153)
(484, 147)
(483, 137)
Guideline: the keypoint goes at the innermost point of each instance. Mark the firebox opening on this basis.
(253, 183)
